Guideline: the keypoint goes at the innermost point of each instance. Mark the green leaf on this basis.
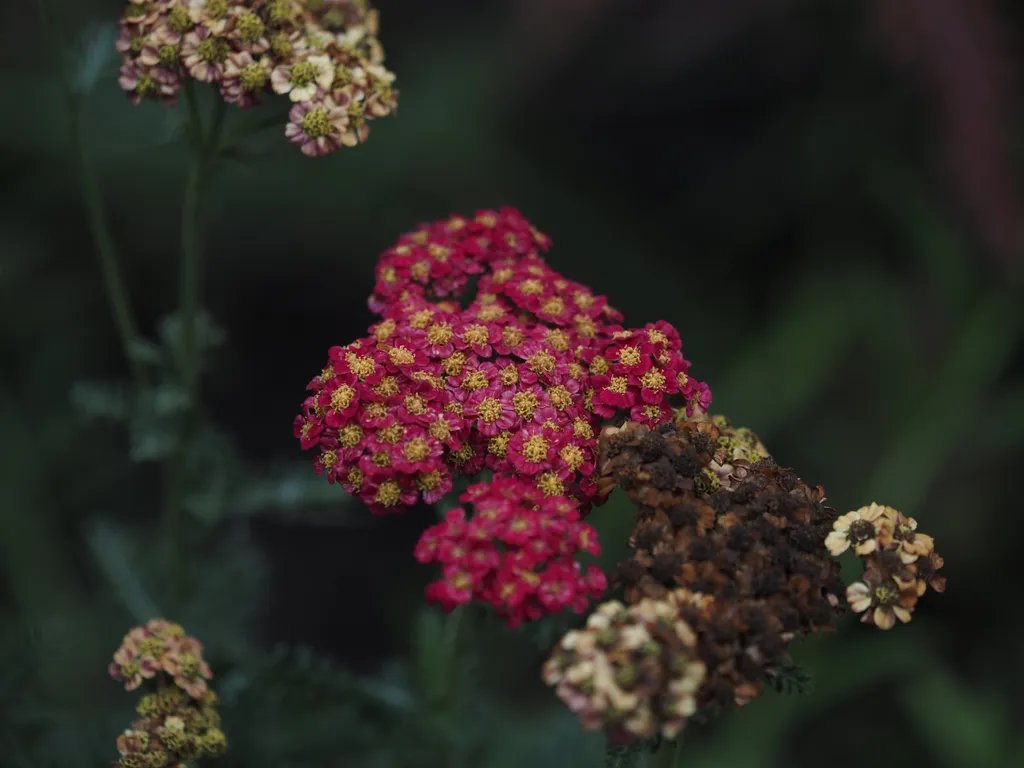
(113, 558)
(96, 400)
(790, 679)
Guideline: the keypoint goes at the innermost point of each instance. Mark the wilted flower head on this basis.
(633, 671)
(316, 52)
(516, 376)
(899, 564)
(516, 552)
(745, 539)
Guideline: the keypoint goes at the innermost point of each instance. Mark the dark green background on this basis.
(820, 195)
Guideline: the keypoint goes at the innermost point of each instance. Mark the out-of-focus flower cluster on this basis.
(516, 552)
(899, 563)
(323, 54)
(178, 720)
(633, 671)
(484, 357)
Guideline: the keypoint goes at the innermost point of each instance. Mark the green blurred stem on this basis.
(666, 755)
(113, 279)
(204, 150)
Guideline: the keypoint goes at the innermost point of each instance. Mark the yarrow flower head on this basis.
(632, 671)
(516, 552)
(516, 375)
(900, 564)
(178, 719)
(323, 55)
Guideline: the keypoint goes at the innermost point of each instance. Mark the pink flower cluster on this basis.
(324, 56)
(516, 378)
(159, 647)
(516, 553)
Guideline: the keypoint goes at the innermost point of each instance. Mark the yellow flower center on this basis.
(416, 449)
(512, 337)
(541, 362)
(535, 449)
(355, 477)
(618, 385)
(531, 287)
(498, 445)
(329, 458)
(420, 270)
(476, 334)
(489, 410)
(560, 397)
(629, 356)
(386, 387)
(381, 459)
(509, 375)
(250, 27)
(583, 299)
(553, 306)
(401, 355)
(392, 434)
(582, 428)
(415, 405)
(146, 86)
(439, 333)
(490, 313)
(189, 666)
(213, 50)
(657, 337)
(599, 366)
(178, 19)
(454, 364)
(253, 77)
(303, 74)
(341, 398)
(428, 481)
(585, 327)
(350, 435)
(281, 45)
(316, 123)
(439, 430)
(524, 404)
(215, 9)
(421, 319)
(558, 340)
(463, 454)
(375, 410)
(572, 456)
(388, 494)
(653, 379)
(168, 55)
(550, 485)
(886, 594)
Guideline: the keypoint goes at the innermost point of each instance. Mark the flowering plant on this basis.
(485, 359)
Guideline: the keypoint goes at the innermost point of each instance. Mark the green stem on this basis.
(665, 757)
(204, 149)
(113, 280)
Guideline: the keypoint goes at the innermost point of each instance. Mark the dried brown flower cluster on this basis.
(178, 721)
(323, 54)
(632, 671)
(899, 563)
(745, 538)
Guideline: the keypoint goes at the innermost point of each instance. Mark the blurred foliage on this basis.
(761, 174)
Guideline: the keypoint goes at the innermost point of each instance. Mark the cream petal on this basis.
(883, 618)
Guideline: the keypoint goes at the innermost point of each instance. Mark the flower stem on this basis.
(204, 148)
(113, 280)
